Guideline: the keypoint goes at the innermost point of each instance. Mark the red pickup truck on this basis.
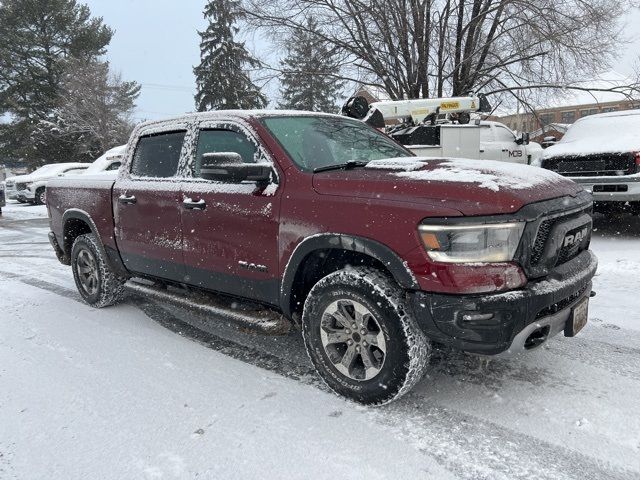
(373, 252)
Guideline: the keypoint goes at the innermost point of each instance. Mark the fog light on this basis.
(477, 317)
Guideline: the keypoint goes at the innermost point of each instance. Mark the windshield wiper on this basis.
(342, 166)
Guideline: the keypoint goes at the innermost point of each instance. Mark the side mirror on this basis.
(523, 139)
(229, 167)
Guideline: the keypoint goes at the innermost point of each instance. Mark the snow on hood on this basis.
(614, 132)
(485, 173)
(472, 187)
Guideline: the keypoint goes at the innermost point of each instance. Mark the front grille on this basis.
(600, 165)
(610, 188)
(541, 240)
(21, 186)
(561, 305)
(565, 252)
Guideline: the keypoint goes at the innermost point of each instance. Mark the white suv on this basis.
(32, 188)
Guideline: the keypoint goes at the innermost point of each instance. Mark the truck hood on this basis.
(473, 187)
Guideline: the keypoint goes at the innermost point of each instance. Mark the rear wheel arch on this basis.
(77, 222)
(321, 255)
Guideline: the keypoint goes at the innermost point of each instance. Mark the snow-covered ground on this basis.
(146, 390)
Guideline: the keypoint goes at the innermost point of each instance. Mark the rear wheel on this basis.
(360, 338)
(96, 282)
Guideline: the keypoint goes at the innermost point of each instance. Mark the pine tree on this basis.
(93, 112)
(38, 38)
(222, 79)
(308, 73)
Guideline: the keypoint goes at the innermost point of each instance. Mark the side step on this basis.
(252, 316)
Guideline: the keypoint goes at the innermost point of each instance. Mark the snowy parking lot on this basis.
(148, 390)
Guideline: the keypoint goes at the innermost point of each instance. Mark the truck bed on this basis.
(83, 195)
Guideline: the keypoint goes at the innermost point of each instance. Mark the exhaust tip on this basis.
(537, 338)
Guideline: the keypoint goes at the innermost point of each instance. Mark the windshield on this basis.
(315, 142)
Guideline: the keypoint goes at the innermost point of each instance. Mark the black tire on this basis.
(40, 197)
(406, 349)
(98, 286)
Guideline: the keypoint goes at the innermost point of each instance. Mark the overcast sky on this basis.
(156, 44)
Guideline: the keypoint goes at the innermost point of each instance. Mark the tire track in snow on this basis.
(616, 359)
(469, 446)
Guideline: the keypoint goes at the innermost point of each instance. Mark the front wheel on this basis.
(95, 281)
(361, 340)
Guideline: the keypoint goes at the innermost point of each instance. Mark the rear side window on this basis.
(158, 155)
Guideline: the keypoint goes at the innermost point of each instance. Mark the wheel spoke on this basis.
(360, 313)
(348, 358)
(342, 310)
(370, 364)
(336, 336)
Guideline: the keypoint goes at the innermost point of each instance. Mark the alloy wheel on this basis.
(353, 340)
(87, 271)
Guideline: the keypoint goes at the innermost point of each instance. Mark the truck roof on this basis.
(218, 114)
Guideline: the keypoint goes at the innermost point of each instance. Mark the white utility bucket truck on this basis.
(442, 127)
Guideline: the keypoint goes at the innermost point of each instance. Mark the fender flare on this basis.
(111, 256)
(390, 259)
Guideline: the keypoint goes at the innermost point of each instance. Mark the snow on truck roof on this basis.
(218, 114)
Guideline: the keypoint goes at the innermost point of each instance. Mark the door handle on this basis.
(191, 205)
(127, 200)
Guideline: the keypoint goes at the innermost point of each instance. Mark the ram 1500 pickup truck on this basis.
(373, 252)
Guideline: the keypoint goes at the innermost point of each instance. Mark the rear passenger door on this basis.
(147, 203)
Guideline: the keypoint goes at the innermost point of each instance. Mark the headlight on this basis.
(472, 243)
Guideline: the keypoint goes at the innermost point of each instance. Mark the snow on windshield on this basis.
(600, 134)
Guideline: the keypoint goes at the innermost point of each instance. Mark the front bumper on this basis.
(11, 194)
(494, 323)
(625, 188)
(26, 195)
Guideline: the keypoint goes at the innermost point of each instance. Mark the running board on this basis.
(260, 318)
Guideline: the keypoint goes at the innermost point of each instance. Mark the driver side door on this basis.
(230, 230)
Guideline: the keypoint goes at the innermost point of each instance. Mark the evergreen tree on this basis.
(222, 79)
(307, 81)
(94, 110)
(38, 38)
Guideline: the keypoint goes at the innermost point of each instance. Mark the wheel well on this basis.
(73, 228)
(320, 263)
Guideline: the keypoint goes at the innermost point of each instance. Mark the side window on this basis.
(218, 141)
(72, 171)
(158, 155)
(486, 135)
(504, 135)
